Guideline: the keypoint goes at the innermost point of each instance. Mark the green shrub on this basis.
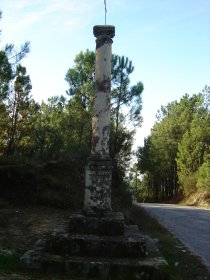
(203, 176)
(189, 184)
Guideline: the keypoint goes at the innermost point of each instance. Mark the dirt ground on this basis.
(20, 228)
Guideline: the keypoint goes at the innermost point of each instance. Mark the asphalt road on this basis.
(189, 224)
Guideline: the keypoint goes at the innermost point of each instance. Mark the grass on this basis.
(9, 263)
(182, 264)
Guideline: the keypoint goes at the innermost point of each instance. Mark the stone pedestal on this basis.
(98, 186)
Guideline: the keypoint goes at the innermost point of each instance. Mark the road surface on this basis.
(191, 225)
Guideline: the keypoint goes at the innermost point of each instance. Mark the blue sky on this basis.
(167, 40)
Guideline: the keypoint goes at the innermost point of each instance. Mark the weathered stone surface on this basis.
(99, 166)
(132, 245)
(110, 224)
(107, 268)
(101, 105)
(32, 258)
(104, 30)
(99, 256)
(97, 188)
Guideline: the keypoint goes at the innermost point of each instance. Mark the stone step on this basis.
(109, 224)
(106, 268)
(131, 245)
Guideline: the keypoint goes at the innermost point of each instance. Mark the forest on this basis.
(175, 158)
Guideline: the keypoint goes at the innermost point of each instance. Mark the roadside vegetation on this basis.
(182, 264)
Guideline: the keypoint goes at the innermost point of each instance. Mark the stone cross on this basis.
(99, 166)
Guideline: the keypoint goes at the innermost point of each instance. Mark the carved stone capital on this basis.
(104, 34)
(104, 30)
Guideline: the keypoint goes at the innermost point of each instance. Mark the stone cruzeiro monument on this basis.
(96, 242)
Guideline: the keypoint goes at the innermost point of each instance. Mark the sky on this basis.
(168, 42)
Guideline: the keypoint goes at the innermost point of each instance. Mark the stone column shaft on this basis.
(99, 166)
(101, 107)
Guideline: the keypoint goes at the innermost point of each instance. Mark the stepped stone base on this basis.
(132, 244)
(106, 268)
(101, 247)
